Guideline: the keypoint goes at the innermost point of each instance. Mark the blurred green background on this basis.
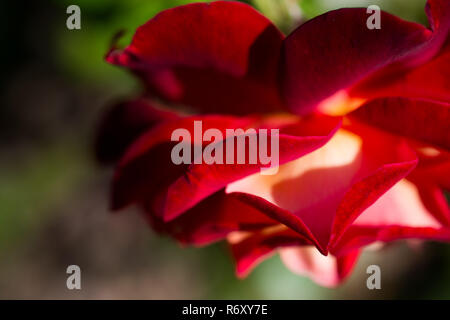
(53, 197)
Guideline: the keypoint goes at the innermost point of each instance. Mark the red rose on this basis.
(364, 139)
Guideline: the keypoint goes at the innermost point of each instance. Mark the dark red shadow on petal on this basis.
(258, 246)
(359, 236)
(211, 220)
(336, 50)
(429, 81)
(201, 180)
(146, 170)
(323, 218)
(214, 57)
(122, 124)
(146, 177)
(423, 120)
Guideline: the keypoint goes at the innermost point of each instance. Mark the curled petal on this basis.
(211, 220)
(352, 53)
(123, 123)
(200, 180)
(282, 216)
(147, 169)
(250, 250)
(364, 193)
(147, 172)
(221, 56)
(295, 251)
(360, 236)
(398, 214)
(434, 169)
(431, 177)
(423, 120)
(321, 59)
(429, 81)
(327, 189)
(328, 271)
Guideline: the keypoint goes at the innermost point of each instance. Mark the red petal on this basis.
(438, 12)
(352, 54)
(430, 81)
(434, 201)
(147, 170)
(296, 253)
(211, 220)
(398, 214)
(430, 177)
(426, 121)
(359, 236)
(327, 271)
(163, 132)
(221, 56)
(123, 123)
(334, 183)
(201, 180)
(252, 250)
(282, 216)
(435, 169)
(364, 193)
(335, 50)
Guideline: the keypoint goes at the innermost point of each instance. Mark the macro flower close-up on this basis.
(225, 158)
(363, 118)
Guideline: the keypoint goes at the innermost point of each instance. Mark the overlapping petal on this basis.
(398, 214)
(177, 188)
(334, 52)
(147, 168)
(221, 56)
(434, 168)
(212, 219)
(123, 123)
(330, 187)
(327, 271)
(296, 251)
(429, 81)
(337, 190)
(423, 120)
(367, 212)
(431, 178)
(250, 249)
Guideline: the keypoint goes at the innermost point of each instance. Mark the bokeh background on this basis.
(54, 85)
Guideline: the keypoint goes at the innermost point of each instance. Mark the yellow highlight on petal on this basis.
(340, 104)
(430, 151)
